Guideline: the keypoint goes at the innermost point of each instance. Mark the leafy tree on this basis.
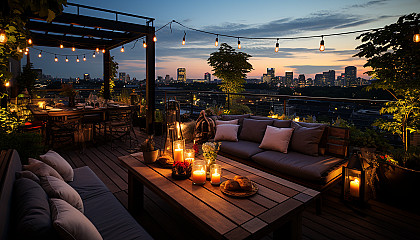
(231, 67)
(27, 78)
(112, 75)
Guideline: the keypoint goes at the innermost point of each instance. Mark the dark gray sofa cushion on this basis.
(253, 130)
(306, 139)
(105, 212)
(282, 123)
(242, 149)
(31, 211)
(299, 165)
(240, 117)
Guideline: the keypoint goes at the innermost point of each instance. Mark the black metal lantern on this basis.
(355, 188)
(173, 128)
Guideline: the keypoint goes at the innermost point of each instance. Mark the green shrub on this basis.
(27, 144)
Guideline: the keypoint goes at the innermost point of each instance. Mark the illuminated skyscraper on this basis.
(351, 76)
(182, 75)
(207, 77)
(289, 79)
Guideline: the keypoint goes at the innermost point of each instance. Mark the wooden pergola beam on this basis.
(41, 39)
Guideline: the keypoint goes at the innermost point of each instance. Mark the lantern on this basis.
(355, 188)
(173, 127)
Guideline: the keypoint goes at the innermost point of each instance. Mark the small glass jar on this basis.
(199, 172)
(178, 150)
(189, 155)
(215, 174)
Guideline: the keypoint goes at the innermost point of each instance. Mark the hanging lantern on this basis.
(355, 188)
(173, 128)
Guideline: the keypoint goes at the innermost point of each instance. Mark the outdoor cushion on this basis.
(31, 211)
(59, 164)
(282, 123)
(300, 165)
(227, 132)
(306, 140)
(56, 188)
(27, 174)
(261, 118)
(41, 169)
(101, 207)
(234, 121)
(276, 139)
(253, 130)
(242, 149)
(240, 117)
(71, 223)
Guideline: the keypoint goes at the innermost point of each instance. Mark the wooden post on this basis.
(107, 73)
(150, 82)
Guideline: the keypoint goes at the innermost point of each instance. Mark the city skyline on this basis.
(299, 56)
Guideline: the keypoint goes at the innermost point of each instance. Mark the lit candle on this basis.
(354, 187)
(41, 105)
(199, 176)
(189, 155)
(215, 177)
(179, 154)
(296, 119)
(178, 130)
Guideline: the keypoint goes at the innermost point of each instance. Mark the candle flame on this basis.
(356, 180)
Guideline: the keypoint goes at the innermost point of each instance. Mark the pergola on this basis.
(88, 32)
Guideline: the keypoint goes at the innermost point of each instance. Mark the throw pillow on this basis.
(234, 121)
(59, 164)
(41, 169)
(56, 188)
(239, 117)
(276, 139)
(71, 223)
(306, 140)
(27, 174)
(282, 123)
(31, 211)
(253, 130)
(227, 132)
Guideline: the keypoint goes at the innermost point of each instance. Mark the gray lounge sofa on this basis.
(106, 213)
(318, 172)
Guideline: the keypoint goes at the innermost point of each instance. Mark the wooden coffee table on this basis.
(277, 207)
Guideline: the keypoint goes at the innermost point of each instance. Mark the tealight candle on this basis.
(354, 187)
(189, 155)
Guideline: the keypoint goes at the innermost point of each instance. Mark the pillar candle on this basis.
(354, 187)
(199, 176)
(179, 155)
(215, 178)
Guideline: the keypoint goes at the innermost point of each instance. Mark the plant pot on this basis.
(397, 186)
(150, 157)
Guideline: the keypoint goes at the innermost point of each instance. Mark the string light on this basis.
(26, 52)
(3, 37)
(61, 45)
(77, 59)
(216, 43)
(94, 55)
(84, 58)
(19, 49)
(154, 38)
(183, 39)
(30, 41)
(277, 46)
(103, 50)
(416, 37)
(97, 50)
(144, 44)
(73, 48)
(122, 49)
(239, 44)
(7, 84)
(55, 58)
(67, 60)
(321, 45)
(40, 54)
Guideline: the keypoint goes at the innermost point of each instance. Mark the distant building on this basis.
(167, 79)
(301, 80)
(207, 77)
(328, 78)
(309, 82)
(318, 80)
(38, 72)
(351, 76)
(159, 79)
(121, 76)
(289, 79)
(181, 75)
(86, 77)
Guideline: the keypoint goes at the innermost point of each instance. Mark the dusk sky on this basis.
(238, 18)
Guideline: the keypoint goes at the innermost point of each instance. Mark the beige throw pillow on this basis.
(41, 169)
(56, 188)
(60, 164)
(220, 122)
(276, 139)
(227, 132)
(70, 223)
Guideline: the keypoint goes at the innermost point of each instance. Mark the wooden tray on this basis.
(239, 194)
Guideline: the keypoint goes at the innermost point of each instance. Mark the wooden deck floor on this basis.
(337, 221)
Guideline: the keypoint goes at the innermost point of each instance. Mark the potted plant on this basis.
(150, 152)
(68, 91)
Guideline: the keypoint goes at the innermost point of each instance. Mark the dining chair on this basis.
(62, 126)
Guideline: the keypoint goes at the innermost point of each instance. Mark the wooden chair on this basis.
(62, 126)
(119, 124)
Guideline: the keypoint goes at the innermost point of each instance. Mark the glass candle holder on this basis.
(189, 155)
(215, 174)
(178, 151)
(199, 172)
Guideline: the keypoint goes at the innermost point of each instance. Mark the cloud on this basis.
(368, 4)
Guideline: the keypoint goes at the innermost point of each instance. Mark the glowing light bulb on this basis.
(26, 49)
(40, 54)
(321, 45)
(93, 55)
(29, 41)
(97, 49)
(77, 59)
(416, 37)
(26, 52)
(154, 38)
(183, 40)
(7, 84)
(144, 44)
(103, 50)
(55, 58)
(61, 45)
(84, 58)
(67, 60)
(122, 49)
(216, 43)
(73, 48)
(277, 46)
(3, 37)
(239, 44)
